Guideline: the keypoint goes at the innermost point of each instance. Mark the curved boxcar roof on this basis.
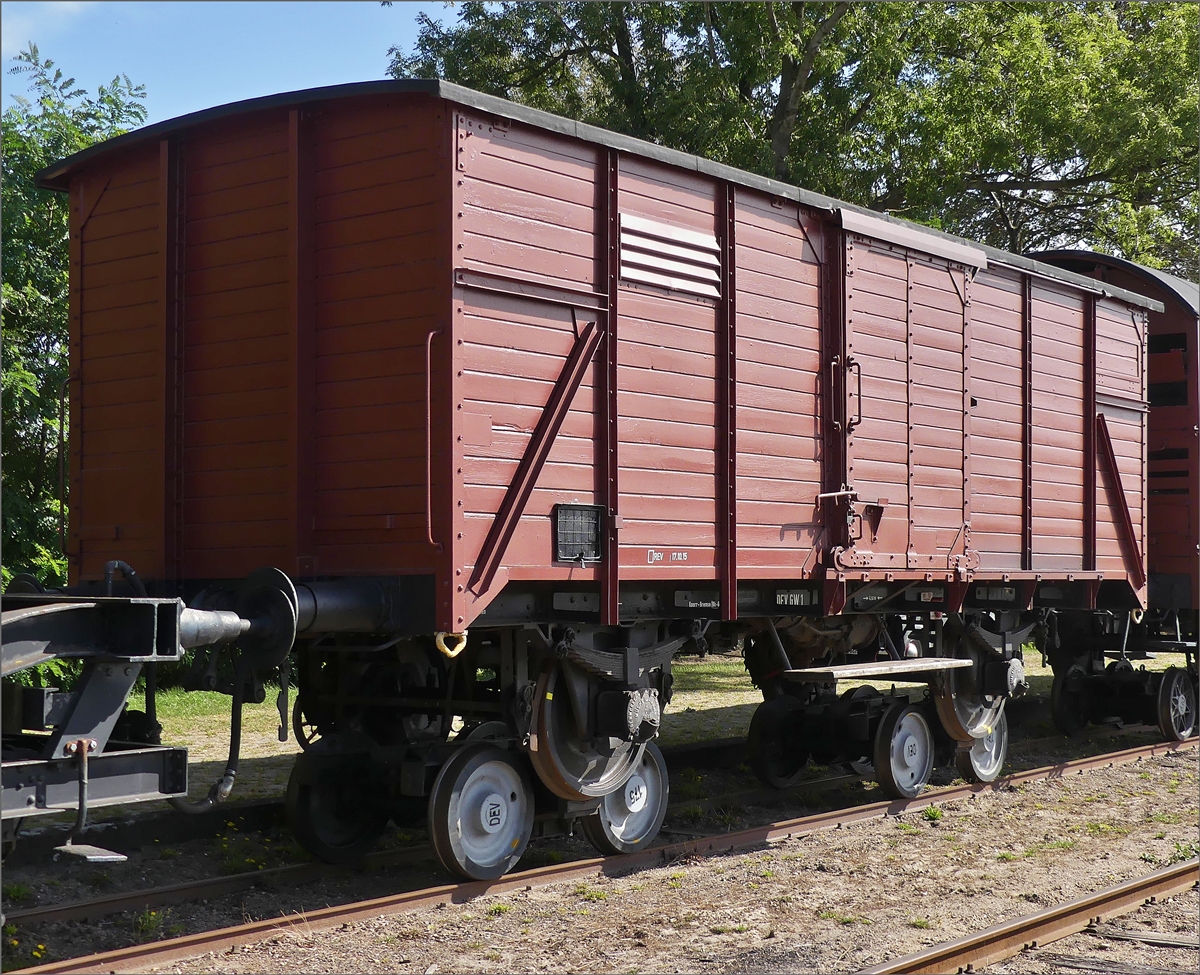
(1186, 293)
(58, 175)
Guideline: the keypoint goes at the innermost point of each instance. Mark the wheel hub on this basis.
(493, 813)
(636, 793)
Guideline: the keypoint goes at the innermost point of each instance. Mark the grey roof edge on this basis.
(1186, 292)
(54, 177)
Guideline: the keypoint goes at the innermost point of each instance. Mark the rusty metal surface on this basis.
(1007, 939)
(165, 951)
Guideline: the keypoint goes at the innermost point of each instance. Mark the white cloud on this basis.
(37, 22)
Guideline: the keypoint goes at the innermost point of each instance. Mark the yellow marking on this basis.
(549, 695)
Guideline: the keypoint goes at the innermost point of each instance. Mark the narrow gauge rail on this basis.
(1004, 940)
(159, 953)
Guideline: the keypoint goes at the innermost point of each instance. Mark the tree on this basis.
(63, 120)
(1022, 125)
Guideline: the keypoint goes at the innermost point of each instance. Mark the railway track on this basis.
(163, 952)
(714, 754)
(258, 815)
(294, 873)
(1004, 940)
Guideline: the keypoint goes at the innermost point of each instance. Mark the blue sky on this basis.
(196, 55)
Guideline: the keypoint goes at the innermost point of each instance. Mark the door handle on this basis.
(852, 363)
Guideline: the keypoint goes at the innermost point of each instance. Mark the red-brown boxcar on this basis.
(1172, 622)
(453, 363)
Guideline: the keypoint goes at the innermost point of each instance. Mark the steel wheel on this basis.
(776, 755)
(1176, 705)
(982, 760)
(329, 811)
(965, 712)
(1069, 705)
(631, 817)
(573, 767)
(481, 811)
(305, 730)
(903, 751)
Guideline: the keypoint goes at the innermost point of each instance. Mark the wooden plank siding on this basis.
(523, 209)
(238, 371)
(1058, 424)
(381, 286)
(322, 336)
(778, 365)
(1120, 387)
(666, 399)
(117, 358)
(997, 418)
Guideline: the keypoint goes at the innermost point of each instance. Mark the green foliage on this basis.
(1023, 125)
(62, 120)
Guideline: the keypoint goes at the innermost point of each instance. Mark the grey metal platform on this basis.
(881, 668)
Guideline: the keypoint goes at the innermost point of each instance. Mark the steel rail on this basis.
(1004, 940)
(294, 873)
(157, 953)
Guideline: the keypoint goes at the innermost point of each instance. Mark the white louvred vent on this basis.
(670, 257)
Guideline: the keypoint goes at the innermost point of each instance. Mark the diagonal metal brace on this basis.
(1108, 459)
(536, 451)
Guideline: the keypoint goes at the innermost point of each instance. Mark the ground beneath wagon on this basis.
(833, 901)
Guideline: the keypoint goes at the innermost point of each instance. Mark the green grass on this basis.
(17, 893)
(932, 814)
(846, 919)
(920, 922)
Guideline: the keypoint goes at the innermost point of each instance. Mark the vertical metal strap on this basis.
(1089, 433)
(835, 475)
(911, 555)
(1027, 422)
(966, 432)
(727, 404)
(609, 464)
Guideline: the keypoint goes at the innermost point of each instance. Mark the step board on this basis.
(882, 668)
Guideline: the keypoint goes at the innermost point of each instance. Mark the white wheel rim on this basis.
(987, 753)
(491, 812)
(632, 811)
(1182, 712)
(911, 752)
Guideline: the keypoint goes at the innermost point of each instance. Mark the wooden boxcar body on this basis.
(456, 365)
(385, 329)
(1173, 378)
